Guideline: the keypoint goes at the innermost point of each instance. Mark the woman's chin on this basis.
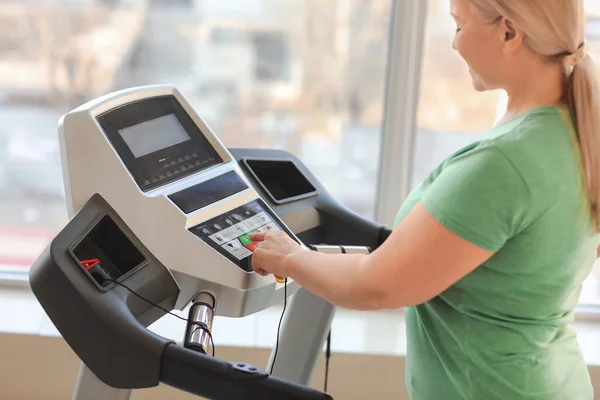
(479, 87)
(477, 82)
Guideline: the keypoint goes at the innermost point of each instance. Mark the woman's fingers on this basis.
(257, 236)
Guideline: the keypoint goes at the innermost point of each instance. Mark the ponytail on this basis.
(583, 98)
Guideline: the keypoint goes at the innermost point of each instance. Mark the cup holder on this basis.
(105, 252)
(281, 180)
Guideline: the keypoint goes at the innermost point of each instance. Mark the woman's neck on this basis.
(539, 89)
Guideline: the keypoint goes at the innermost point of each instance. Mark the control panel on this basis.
(229, 233)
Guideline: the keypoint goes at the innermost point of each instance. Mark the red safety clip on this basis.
(89, 264)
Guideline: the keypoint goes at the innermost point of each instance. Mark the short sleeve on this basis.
(480, 196)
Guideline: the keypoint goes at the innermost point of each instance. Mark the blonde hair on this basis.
(555, 30)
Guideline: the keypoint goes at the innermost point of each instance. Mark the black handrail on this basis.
(216, 379)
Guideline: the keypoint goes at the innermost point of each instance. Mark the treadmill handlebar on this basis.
(216, 379)
(384, 233)
(340, 249)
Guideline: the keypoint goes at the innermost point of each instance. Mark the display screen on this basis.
(208, 192)
(228, 233)
(153, 135)
(158, 141)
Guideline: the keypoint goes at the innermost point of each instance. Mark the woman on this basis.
(488, 254)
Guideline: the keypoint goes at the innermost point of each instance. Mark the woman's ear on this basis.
(513, 36)
(509, 30)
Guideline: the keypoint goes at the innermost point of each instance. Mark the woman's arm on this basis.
(333, 277)
(419, 260)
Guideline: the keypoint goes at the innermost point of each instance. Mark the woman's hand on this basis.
(273, 253)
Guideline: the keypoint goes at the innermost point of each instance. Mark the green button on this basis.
(245, 240)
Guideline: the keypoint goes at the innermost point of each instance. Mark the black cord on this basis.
(205, 329)
(327, 357)
(199, 326)
(279, 327)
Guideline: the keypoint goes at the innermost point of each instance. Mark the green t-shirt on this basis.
(503, 331)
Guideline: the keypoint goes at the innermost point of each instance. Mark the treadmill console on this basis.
(159, 143)
(153, 159)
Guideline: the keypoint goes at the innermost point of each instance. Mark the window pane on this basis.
(302, 75)
(452, 114)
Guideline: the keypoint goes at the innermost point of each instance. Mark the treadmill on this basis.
(160, 212)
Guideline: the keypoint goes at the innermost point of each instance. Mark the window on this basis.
(451, 114)
(302, 75)
(272, 55)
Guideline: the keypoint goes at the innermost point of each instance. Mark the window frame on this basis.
(399, 130)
